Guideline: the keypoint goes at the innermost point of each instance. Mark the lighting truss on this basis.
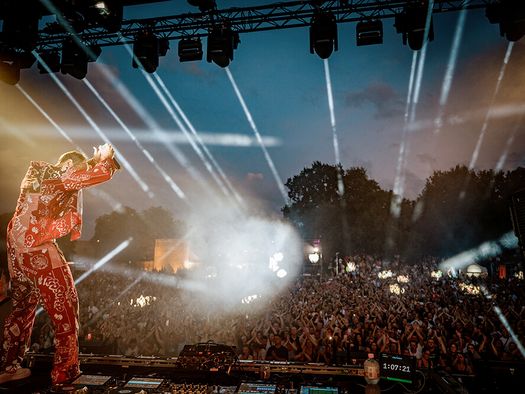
(275, 16)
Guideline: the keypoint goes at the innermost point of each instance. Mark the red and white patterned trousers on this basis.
(32, 280)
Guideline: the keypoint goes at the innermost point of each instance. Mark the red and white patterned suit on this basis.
(48, 208)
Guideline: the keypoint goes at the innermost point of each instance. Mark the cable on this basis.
(420, 388)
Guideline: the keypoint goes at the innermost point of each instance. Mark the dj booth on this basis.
(187, 374)
(218, 373)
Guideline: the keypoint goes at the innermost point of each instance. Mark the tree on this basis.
(144, 228)
(457, 210)
(463, 208)
(346, 223)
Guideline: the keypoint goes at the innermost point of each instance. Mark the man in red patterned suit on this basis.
(49, 207)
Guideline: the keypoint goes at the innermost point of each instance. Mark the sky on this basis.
(284, 88)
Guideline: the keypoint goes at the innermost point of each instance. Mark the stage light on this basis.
(164, 46)
(204, 5)
(510, 14)
(369, 32)
(222, 41)
(403, 279)
(412, 24)
(52, 59)
(75, 59)
(314, 258)
(190, 49)
(146, 52)
(25, 59)
(323, 34)
(385, 274)
(108, 14)
(9, 72)
(11, 62)
(20, 28)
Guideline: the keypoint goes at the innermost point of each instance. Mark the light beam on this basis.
(99, 264)
(146, 153)
(95, 127)
(475, 154)
(267, 156)
(451, 67)
(335, 139)
(398, 191)
(200, 142)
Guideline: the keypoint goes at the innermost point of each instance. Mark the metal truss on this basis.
(275, 16)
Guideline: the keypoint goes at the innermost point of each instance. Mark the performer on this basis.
(49, 207)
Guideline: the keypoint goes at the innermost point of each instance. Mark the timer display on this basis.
(397, 368)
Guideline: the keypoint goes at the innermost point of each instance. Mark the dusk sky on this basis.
(284, 88)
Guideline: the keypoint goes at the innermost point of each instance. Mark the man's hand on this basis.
(106, 151)
(96, 154)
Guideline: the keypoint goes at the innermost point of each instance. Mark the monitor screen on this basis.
(92, 380)
(144, 383)
(255, 388)
(398, 368)
(318, 390)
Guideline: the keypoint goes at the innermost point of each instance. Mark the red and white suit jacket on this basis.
(49, 205)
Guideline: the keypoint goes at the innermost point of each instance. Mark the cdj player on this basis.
(257, 388)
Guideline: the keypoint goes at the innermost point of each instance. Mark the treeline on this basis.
(144, 227)
(457, 209)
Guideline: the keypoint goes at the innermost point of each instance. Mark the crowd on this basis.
(365, 306)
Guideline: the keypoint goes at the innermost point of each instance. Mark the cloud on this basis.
(254, 176)
(427, 159)
(382, 96)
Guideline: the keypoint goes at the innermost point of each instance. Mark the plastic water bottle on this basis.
(371, 369)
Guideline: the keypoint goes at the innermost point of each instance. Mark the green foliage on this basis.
(457, 209)
(145, 227)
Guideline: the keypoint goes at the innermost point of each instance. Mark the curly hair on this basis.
(74, 155)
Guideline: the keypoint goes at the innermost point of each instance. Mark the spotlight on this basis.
(222, 41)
(75, 59)
(369, 32)
(20, 27)
(146, 52)
(75, 17)
(20, 59)
(190, 49)
(510, 14)
(323, 34)
(204, 5)
(411, 23)
(25, 59)
(52, 59)
(9, 72)
(314, 257)
(164, 46)
(107, 13)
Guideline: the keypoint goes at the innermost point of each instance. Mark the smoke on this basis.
(238, 257)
